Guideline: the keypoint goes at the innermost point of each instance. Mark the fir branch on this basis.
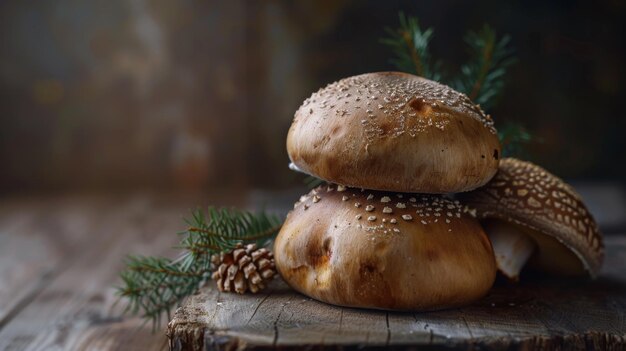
(482, 78)
(514, 137)
(409, 43)
(155, 285)
(222, 230)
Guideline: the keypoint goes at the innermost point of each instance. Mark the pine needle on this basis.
(409, 43)
(154, 285)
(482, 78)
(514, 138)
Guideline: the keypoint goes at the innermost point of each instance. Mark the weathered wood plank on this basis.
(36, 239)
(60, 257)
(83, 242)
(538, 313)
(76, 305)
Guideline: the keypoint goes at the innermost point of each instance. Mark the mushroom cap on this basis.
(396, 132)
(376, 250)
(546, 208)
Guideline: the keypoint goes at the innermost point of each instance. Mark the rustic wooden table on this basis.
(59, 262)
(60, 258)
(544, 313)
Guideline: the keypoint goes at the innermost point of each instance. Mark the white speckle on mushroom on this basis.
(357, 205)
(424, 222)
(316, 199)
(407, 217)
(387, 210)
(341, 188)
(344, 198)
(401, 205)
(371, 218)
(358, 216)
(412, 199)
(370, 196)
(393, 221)
(369, 208)
(385, 199)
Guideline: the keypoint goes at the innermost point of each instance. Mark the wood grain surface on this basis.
(60, 258)
(59, 262)
(540, 313)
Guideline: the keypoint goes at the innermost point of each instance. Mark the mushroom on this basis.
(533, 217)
(396, 132)
(424, 254)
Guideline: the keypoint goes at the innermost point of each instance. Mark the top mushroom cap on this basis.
(549, 210)
(396, 132)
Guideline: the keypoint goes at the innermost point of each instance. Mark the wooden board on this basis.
(59, 262)
(541, 313)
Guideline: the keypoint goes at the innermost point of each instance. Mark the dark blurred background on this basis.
(190, 96)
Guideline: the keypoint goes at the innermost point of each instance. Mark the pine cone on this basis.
(244, 268)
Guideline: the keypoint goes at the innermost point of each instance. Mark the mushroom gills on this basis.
(511, 246)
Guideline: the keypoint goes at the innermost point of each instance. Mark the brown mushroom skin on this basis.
(324, 251)
(532, 200)
(396, 132)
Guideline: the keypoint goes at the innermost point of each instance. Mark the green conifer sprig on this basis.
(409, 43)
(155, 285)
(221, 230)
(482, 78)
(514, 137)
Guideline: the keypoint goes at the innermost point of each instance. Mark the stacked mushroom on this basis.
(379, 235)
(533, 217)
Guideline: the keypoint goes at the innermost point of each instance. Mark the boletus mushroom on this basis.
(533, 217)
(381, 250)
(395, 132)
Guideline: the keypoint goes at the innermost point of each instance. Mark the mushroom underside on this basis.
(517, 247)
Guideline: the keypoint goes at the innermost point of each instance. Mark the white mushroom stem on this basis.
(293, 167)
(511, 246)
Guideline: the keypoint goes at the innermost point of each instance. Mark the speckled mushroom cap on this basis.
(546, 208)
(396, 132)
(384, 250)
